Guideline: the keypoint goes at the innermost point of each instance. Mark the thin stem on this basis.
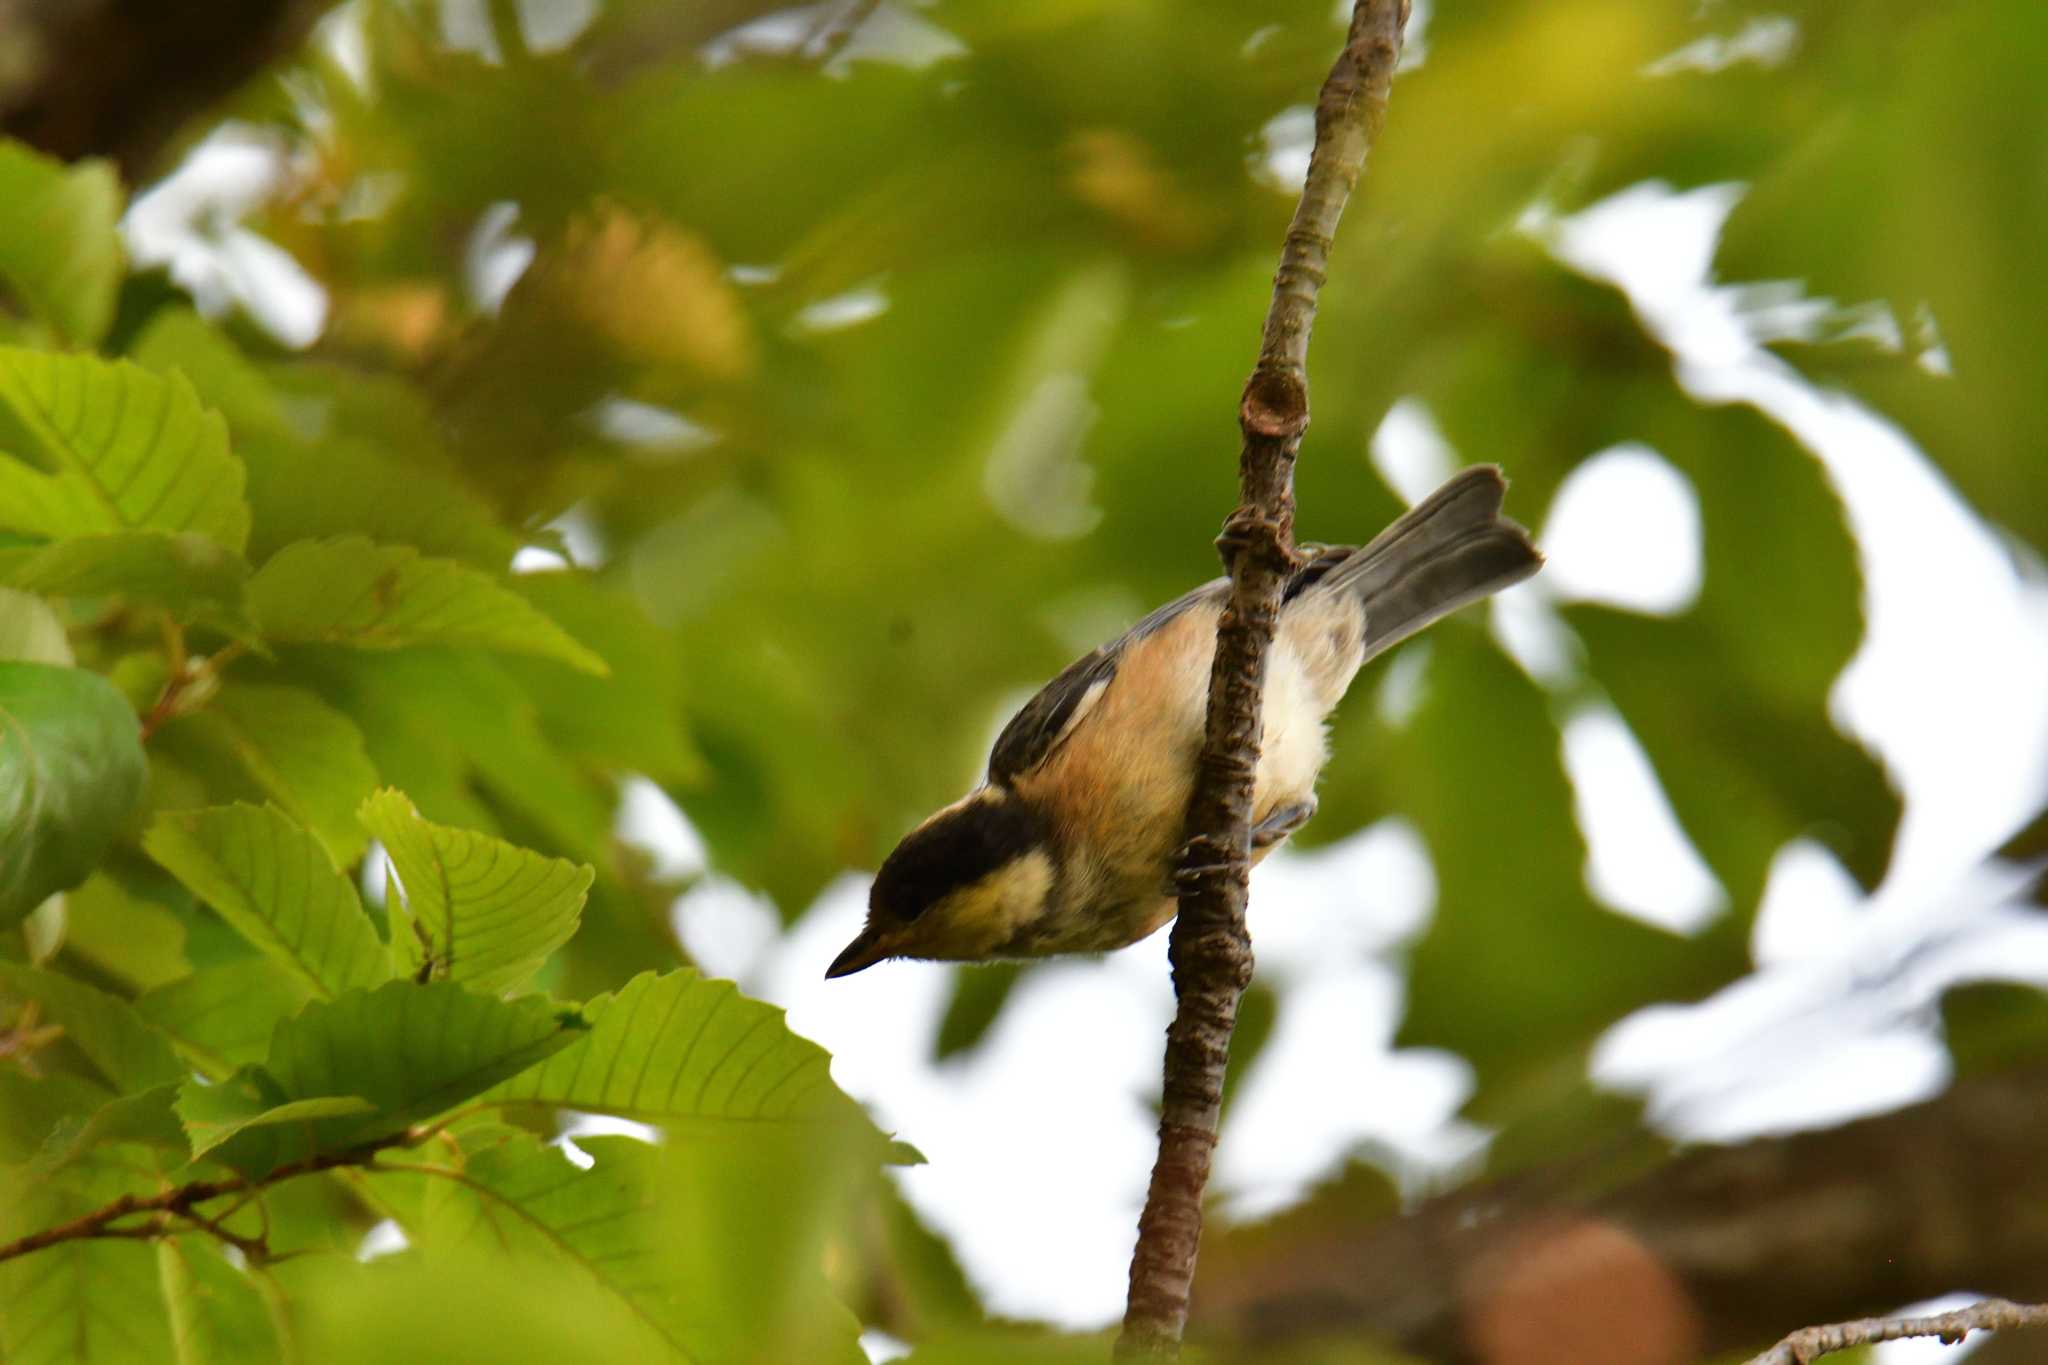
(1210, 950)
(1993, 1315)
(180, 1201)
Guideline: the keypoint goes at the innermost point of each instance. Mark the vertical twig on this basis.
(1210, 951)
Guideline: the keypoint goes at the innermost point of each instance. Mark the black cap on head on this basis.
(957, 849)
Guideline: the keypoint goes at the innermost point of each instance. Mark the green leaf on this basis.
(299, 751)
(33, 1109)
(480, 910)
(216, 1313)
(309, 477)
(59, 250)
(1519, 969)
(351, 591)
(251, 1099)
(192, 577)
(128, 1053)
(147, 1117)
(128, 939)
(527, 1199)
(677, 1049)
(268, 879)
(122, 449)
(411, 1050)
(71, 769)
(81, 1302)
(30, 632)
(221, 1017)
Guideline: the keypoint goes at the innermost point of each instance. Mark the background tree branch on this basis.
(1751, 1242)
(1210, 950)
(120, 78)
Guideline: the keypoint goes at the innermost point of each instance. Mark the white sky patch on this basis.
(841, 311)
(1524, 622)
(1329, 1082)
(1638, 859)
(190, 223)
(656, 435)
(341, 35)
(726, 928)
(893, 35)
(1624, 529)
(1005, 1182)
(1947, 615)
(574, 1123)
(1410, 450)
(383, 1239)
(881, 1347)
(1285, 143)
(1768, 40)
(649, 821)
(1810, 907)
(551, 25)
(494, 259)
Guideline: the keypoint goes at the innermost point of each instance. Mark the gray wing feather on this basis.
(1044, 722)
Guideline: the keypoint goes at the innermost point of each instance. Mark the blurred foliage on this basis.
(869, 370)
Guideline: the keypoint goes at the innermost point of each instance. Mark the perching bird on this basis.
(1069, 845)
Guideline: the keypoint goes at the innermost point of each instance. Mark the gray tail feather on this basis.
(1451, 549)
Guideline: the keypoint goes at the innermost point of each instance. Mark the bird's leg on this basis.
(1190, 864)
(1282, 822)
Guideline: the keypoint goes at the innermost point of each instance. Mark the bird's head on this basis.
(959, 886)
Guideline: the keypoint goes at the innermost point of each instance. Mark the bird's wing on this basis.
(1036, 732)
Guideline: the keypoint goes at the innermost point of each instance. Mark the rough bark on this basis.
(1210, 950)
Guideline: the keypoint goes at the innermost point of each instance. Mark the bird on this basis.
(1069, 844)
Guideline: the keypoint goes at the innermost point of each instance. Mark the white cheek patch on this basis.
(992, 910)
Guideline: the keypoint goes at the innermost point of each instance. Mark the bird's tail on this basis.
(1452, 548)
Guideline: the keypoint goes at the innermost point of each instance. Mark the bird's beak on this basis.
(865, 951)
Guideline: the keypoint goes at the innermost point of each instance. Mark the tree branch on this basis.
(1753, 1239)
(180, 1200)
(1811, 1343)
(1210, 950)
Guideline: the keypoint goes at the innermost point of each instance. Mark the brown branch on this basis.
(1993, 1315)
(180, 1200)
(1753, 1239)
(120, 78)
(1210, 950)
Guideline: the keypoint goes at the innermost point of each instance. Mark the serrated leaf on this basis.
(306, 478)
(524, 1198)
(125, 1050)
(411, 1050)
(221, 1017)
(191, 576)
(216, 1313)
(677, 1048)
(213, 1115)
(30, 632)
(119, 449)
(270, 880)
(302, 753)
(478, 910)
(352, 591)
(71, 769)
(59, 251)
